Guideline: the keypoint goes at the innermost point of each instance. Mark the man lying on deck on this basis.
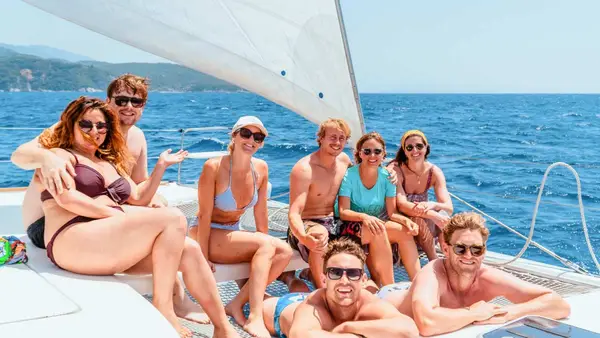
(464, 287)
(127, 95)
(342, 308)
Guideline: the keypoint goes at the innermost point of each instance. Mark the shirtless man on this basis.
(127, 95)
(314, 184)
(342, 308)
(464, 287)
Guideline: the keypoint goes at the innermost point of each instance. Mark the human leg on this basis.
(268, 257)
(406, 245)
(425, 238)
(82, 248)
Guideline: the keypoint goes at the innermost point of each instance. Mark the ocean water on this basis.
(493, 149)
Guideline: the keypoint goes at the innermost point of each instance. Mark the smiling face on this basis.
(466, 264)
(247, 145)
(333, 141)
(343, 292)
(95, 135)
(415, 148)
(372, 153)
(121, 103)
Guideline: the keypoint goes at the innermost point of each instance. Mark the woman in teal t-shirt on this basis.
(368, 199)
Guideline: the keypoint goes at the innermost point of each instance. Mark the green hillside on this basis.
(20, 72)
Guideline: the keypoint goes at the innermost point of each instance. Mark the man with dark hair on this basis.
(452, 292)
(342, 308)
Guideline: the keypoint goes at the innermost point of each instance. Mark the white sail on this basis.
(292, 52)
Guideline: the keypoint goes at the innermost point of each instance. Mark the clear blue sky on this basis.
(410, 46)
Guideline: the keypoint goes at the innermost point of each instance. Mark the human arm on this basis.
(527, 298)
(300, 179)
(380, 319)
(55, 171)
(312, 320)
(423, 209)
(261, 213)
(144, 192)
(75, 201)
(442, 196)
(430, 317)
(392, 211)
(206, 201)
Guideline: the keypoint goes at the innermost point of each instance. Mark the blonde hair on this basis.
(333, 123)
(466, 220)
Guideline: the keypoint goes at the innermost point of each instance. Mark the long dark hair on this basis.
(372, 135)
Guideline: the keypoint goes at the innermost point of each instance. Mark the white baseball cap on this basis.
(245, 121)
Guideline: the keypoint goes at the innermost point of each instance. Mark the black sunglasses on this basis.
(461, 249)
(87, 126)
(419, 146)
(376, 151)
(352, 274)
(122, 101)
(247, 133)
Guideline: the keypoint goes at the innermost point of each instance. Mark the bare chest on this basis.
(325, 183)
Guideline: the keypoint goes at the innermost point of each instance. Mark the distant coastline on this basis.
(21, 72)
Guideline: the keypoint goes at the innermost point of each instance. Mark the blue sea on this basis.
(493, 149)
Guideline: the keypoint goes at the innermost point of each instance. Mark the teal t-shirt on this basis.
(368, 201)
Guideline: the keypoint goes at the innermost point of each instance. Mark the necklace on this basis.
(418, 175)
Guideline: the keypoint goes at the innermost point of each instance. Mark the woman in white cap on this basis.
(228, 186)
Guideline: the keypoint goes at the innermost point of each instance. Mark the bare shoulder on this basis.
(344, 159)
(260, 164)
(302, 167)
(212, 164)
(137, 133)
(432, 272)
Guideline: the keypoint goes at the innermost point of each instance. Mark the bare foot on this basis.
(234, 310)
(226, 332)
(172, 318)
(186, 308)
(256, 328)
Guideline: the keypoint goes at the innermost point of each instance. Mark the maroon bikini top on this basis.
(90, 182)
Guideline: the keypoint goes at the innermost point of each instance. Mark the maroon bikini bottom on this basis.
(76, 219)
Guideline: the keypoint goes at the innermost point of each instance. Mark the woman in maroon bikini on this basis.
(87, 232)
(415, 176)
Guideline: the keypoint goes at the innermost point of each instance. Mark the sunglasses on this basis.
(419, 146)
(87, 126)
(461, 249)
(247, 133)
(376, 151)
(353, 274)
(122, 101)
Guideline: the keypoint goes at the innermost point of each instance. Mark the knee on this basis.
(267, 245)
(176, 218)
(192, 253)
(283, 250)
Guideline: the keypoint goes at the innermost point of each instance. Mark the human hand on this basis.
(315, 242)
(211, 265)
(374, 224)
(441, 219)
(56, 172)
(167, 159)
(391, 168)
(413, 228)
(482, 311)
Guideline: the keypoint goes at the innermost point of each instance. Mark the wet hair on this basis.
(131, 83)
(344, 246)
(401, 155)
(332, 123)
(466, 220)
(369, 136)
(112, 150)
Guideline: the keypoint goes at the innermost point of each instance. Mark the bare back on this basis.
(324, 184)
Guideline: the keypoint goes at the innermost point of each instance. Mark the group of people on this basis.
(91, 194)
